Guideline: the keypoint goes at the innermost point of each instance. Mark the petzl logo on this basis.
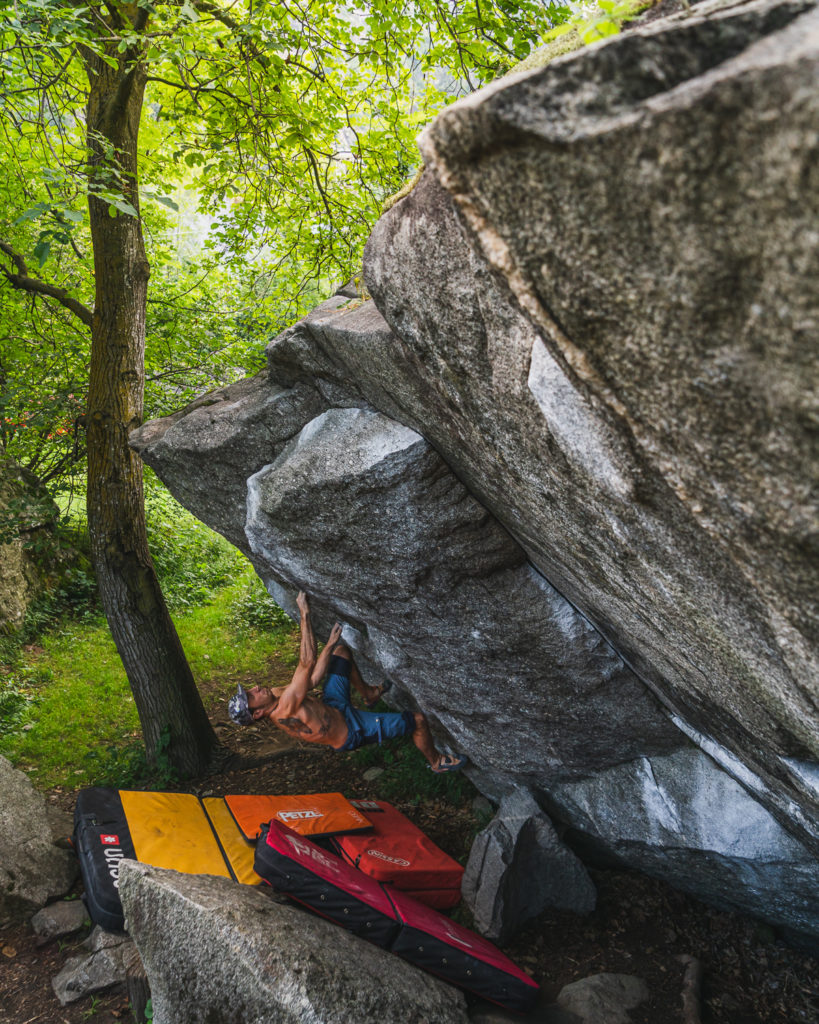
(392, 860)
(108, 840)
(308, 850)
(298, 815)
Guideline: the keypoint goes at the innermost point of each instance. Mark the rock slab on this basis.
(33, 871)
(217, 951)
(518, 867)
(105, 965)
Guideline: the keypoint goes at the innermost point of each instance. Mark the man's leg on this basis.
(369, 693)
(422, 738)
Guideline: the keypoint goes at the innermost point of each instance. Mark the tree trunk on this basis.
(173, 719)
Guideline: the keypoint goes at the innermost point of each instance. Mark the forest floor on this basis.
(640, 927)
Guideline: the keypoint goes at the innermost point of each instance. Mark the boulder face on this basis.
(27, 518)
(555, 477)
(659, 234)
(456, 614)
(248, 959)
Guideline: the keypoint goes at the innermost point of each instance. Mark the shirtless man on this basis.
(333, 720)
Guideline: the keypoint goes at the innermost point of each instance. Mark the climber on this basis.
(333, 720)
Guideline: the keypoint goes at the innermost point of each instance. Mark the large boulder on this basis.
(247, 959)
(555, 477)
(27, 519)
(651, 205)
(456, 615)
(33, 871)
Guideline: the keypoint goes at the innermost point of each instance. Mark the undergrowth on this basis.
(67, 715)
(407, 777)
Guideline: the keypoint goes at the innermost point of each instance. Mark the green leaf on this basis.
(123, 206)
(32, 213)
(167, 201)
(41, 251)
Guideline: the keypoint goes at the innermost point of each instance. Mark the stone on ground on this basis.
(32, 870)
(603, 998)
(106, 965)
(518, 867)
(60, 919)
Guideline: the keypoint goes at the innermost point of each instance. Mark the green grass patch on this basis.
(67, 716)
(408, 779)
(79, 711)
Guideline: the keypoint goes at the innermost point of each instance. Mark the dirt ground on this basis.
(641, 926)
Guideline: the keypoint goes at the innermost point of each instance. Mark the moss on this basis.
(405, 190)
(543, 55)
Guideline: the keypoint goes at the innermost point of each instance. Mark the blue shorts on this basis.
(362, 726)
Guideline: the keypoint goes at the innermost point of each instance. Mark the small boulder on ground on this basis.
(603, 998)
(105, 965)
(33, 870)
(518, 867)
(60, 919)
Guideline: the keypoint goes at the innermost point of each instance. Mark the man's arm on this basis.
(323, 660)
(294, 693)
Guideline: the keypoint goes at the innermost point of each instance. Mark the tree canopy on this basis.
(278, 129)
(288, 124)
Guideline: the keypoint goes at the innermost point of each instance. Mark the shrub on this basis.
(192, 562)
(254, 609)
(15, 702)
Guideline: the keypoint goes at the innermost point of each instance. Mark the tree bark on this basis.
(173, 719)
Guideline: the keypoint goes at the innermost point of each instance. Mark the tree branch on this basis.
(231, 23)
(24, 282)
(309, 154)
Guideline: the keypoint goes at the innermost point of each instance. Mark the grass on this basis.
(67, 716)
(407, 779)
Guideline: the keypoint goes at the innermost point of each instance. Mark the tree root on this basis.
(692, 985)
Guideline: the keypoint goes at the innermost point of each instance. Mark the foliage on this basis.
(192, 561)
(254, 609)
(407, 777)
(289, 124)
(599, 20)
(15, 703)
(72, 694)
